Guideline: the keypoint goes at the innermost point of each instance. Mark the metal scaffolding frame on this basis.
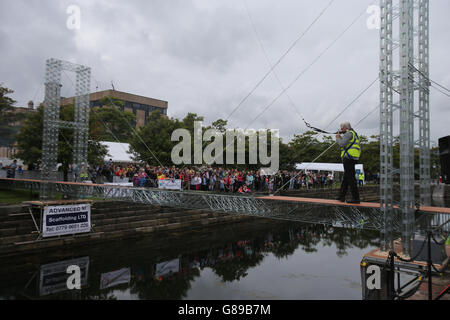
(386, 122)
(338, 216)
(406, 89)
(402, 81)
(52, 122)
(424, 103)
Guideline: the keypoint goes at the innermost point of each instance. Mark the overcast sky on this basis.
(203, 56)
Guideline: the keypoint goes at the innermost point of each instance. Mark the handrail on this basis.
(392, 254)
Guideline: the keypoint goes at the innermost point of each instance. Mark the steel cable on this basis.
(135, 132)
(280, 59)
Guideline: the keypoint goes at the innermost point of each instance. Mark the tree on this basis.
(155, 137)
(370, 154)
(287, 162)
(305, 147)
(220, 125)
(153, 144)
(108, 121)
(6, 103)
(7, 117)
(111, 101)
(29, 140)
(111, 124)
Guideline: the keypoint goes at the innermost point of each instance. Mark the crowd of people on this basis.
(195, 178)
(211, 179)
(11, 169)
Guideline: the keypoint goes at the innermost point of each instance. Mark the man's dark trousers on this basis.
(349, 179)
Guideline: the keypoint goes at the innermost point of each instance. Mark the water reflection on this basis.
(165, 266)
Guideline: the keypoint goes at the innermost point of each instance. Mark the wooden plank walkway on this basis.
(278, 198)
(57, 202)
(339, 203)
(382, 255)
(440, 282)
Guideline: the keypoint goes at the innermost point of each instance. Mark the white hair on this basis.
(346, 124)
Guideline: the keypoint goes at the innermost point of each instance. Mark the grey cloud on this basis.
(202, 56)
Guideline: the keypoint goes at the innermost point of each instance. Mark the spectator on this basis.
(11, 173)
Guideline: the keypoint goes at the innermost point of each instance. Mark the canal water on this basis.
(260, 259)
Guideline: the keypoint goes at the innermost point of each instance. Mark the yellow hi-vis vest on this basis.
(361, 176)
(353, 149)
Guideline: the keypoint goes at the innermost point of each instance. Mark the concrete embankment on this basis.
(110, 220)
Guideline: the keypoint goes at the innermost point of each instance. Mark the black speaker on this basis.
(444, 156)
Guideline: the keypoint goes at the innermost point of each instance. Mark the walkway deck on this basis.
(339, 203)
(366, 215)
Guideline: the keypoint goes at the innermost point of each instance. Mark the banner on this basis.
(266, 172)
(53, 276)
(114, 278)
(167, 267)
(170, 184)
(70, 219)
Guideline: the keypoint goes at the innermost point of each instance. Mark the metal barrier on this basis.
(420, 266)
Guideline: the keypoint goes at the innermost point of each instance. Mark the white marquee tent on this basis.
(118, 152)
(325, 167)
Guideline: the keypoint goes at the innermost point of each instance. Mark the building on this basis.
(140, 106)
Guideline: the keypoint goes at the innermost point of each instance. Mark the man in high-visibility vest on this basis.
(348, 140)
(361, 179)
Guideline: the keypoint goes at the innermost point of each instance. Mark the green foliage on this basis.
(7, 117)
(17, 196)
(306, 148)
(220, 125)
(103, 121)
(6, 103)
(111, 101)
(156, 136)
(29, 139)
(370, 153)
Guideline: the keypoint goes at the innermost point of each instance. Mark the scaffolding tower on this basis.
(404, 77)
(52, 121)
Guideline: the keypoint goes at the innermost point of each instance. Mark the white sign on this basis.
(167, 267)
(70, 219)
(170, 184)
(267, 172)
(53, 276)
(115, 278)
(122, 184)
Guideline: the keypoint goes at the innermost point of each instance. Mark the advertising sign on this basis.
(70, 219)
(171, 184)
(115, 278)
(53, 276)
(167, 267)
